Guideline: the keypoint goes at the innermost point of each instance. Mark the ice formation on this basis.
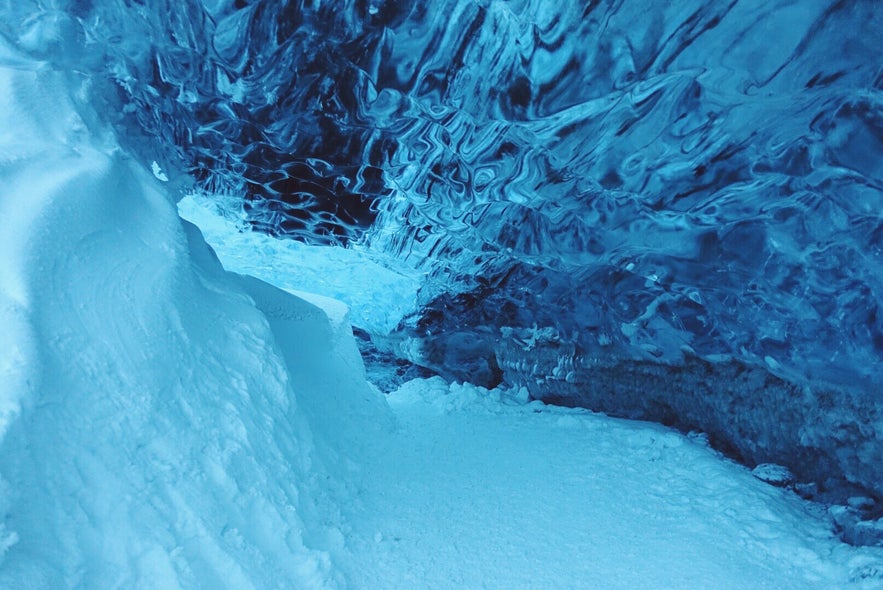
(669, 212)
(587, 190)
(694, 179)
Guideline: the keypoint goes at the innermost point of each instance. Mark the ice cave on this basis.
(441, 294)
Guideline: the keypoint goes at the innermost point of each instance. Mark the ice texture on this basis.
(688, 184)
(166, 423)
(646, 180)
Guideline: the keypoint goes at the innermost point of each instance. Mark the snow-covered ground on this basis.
(167, 424)
(477, 489)
(150, 432)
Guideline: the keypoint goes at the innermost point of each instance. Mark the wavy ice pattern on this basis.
(606, 192)
(704, 180)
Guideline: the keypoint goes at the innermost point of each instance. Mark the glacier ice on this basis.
(165, 422)
(597, 195)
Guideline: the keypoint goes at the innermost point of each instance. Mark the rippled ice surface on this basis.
(621, 179)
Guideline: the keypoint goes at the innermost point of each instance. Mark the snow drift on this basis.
(152, 431)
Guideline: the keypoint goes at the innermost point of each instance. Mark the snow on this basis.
(378, 297)
(478, 489)
(151, 436)
(165, 423)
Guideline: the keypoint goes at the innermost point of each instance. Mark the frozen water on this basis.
(675, 221)
(648, 181)
(688, 185)
(694, 185)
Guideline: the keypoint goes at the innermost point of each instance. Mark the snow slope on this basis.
(151, 431)
(481, 489)
(378, 297)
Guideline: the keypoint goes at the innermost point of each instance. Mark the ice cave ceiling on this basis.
(636, 180)
(637, 192)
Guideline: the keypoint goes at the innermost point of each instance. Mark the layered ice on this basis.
(649, 182)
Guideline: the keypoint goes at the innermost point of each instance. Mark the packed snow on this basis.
(479, 489)
(378, 298)
(151, 434)
(165, 423)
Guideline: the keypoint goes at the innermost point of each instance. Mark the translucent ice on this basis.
(694, 186)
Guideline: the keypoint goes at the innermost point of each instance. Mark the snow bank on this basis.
(151, 435)
(378, 297)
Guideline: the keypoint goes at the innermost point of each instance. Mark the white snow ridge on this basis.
(168, 424)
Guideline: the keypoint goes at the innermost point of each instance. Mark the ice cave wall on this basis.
(611, 196)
